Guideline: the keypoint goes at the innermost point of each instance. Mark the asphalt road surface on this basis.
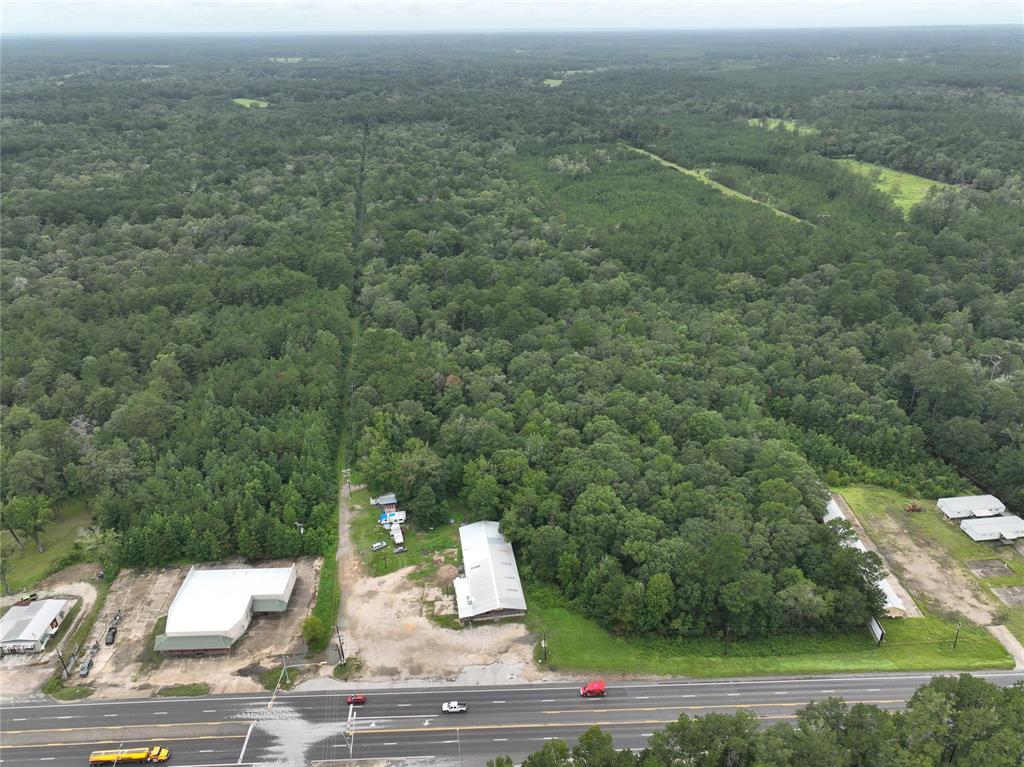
(319, 727)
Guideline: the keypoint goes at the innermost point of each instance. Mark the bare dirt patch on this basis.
(989, 568)
(937, 578)
(387, 624)
(142, 597)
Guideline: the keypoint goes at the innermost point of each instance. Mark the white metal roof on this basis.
(218, 601)
(1009, 526)
(30, 623)
(832, 511)
(385, 500)
(491, 581)
(971, 505)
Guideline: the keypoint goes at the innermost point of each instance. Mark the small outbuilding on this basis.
(28, 627)
(397, 535)
(965, 506)
(1003, 528)
(387, 502)
(490, 588)
(213, 608)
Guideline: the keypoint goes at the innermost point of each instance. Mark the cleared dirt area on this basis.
(927, 572)
(142, 597)
(989, 568)
(24, 674)
(387, 625)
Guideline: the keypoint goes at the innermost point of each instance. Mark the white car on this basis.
(378, 546)
(454, 707)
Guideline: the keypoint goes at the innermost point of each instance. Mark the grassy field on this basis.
(191, 689)
(926, 644)
(906, 189)
(948, 542)
(422, 545)
(701, 175)
(252, 103)
(553, 83)
(771, 123)
(26, 568)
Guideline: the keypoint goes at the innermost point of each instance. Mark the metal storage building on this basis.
(213, 608)
(27, 628)
(1005, 528)
(971, 506)
(490, 588)
(387, 502)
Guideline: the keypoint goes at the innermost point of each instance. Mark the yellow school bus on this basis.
(122, 755)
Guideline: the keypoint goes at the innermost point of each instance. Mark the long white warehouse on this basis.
(894, 605)
(1006, 528)
(27, 628)
(490, 588)
(213, 608)
(964, 506)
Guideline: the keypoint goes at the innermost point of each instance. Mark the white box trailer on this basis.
(389, 518)
(396, 534)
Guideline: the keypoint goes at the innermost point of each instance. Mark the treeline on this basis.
(959, 722)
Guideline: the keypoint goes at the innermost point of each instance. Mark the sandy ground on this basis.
(385, 623)
(25, 674)
(941, 581)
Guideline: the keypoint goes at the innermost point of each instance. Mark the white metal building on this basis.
(213, 608)
(27, 628)
(1006, 528)
(490, 587)
(396, 534)
(971, 506)
(894, 606)
(387, 502)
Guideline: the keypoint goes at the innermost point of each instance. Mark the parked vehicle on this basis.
(117, 619)
(86, 667)
(454, 707)
(355, 700)
(400, 549)
(378, 546)
(111, 635)
(143, 754)
(94, 649)
(593, 689)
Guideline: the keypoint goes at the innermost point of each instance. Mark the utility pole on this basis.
(341, 647)
(60, 657)
(957, 637)
(458, 737)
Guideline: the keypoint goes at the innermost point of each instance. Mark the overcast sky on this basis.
(280, 16)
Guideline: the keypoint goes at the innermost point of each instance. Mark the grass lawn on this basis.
(946, 540)
(771, 123)
(578, 644)
(701, 175)
(151, 659)
(191, 689)
(28, 567)
(906, 189)
(553, 83)
(422, 545)
(252, 103)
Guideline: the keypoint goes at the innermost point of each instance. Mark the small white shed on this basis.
(964, 506)
(1006, 528)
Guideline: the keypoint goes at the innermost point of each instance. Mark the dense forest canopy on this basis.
(471, 282)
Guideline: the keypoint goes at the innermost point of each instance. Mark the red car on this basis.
(594, 689)
(355, 700)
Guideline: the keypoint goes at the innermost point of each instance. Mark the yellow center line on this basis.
(93, 728)
(779, 704)
(118, 742)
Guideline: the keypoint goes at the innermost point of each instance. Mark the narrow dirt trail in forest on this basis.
(700, 176)
(345, 554)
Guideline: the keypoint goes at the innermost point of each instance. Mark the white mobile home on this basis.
(1003, 529)
(396, 534)
(965, 506)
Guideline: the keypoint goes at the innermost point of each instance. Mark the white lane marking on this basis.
(20, 719)
(107, 716)
(245, 743)
(206, 751)
(500, 740)
(393, 743)
(205, 711)
(404, 705)
(732, 694)
(548, 700)
(780, 692)
(65, 717)
(642, 697)
(449, 741)
(692, 696)
(874, 689)
(828, 690)
(497, 701)
(159, 713)
(646, 734)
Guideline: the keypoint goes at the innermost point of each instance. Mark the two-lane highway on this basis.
(308, 727)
